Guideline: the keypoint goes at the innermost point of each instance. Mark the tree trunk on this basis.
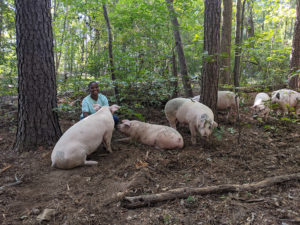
(37, 121)
(110, 53)
(1, 23)
(295, 53)
(181, 58)
(242, 20)
(58, 44)
(210, 74)
(250, 27)
(226, 42)
(175, 76)
(236, 70)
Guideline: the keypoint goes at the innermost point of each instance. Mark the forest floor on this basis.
(91, 195)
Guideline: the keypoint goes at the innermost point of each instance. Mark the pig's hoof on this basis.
(90, 163)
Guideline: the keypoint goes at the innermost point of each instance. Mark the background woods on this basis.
(143, 53)
(139, 44)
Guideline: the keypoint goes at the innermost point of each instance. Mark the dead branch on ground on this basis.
(146, 200)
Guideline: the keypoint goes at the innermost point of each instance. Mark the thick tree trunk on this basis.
(37, 121)
(110, 53)
(237, 57)
(181, 58)
(210, 74)
(295, 53)
(226, 42)
(147, 200)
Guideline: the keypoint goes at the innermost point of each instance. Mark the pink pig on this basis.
(159, 136)
(198, 116)
(83, 138)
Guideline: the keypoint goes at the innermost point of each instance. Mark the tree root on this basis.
(147, 200)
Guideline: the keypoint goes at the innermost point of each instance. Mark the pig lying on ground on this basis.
(159, 136)
(83, 138)
(197, 115)
(287, 99)
(226, 101)
(260, 107)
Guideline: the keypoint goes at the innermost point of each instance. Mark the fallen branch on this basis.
(146, 200)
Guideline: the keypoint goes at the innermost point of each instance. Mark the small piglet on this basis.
(159, 136)
(226, 101)
(83, 138)
(198, 116)
(260, 106)
(286, 99)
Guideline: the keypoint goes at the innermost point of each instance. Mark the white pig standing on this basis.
(159, 136)
(226, 101)
(198, 116)
(286, 99)
(260, 106)
(83, 138)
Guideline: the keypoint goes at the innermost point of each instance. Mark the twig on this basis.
(18, 181)
(5, 168)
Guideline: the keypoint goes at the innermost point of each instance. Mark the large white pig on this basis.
(287, 99)
(159, 136)
(83, 138)
(226, 101)
(260, 106)
(198, 116)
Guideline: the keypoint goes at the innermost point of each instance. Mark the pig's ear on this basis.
(114, 108)
(203, 119)
(126, 122)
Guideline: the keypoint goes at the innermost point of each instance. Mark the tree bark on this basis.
(146, 200)
(210, 73)
(110, 53)
(226, 42)
(236, 70)
(181, 58)
(175, 76)
(37, 121)
(250, 22)
(295, 53)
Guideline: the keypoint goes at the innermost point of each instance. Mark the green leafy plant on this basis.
(219, 132)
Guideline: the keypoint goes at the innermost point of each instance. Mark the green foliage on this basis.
(143, 44)
(190, 199)
(127, 112)
(219, 132)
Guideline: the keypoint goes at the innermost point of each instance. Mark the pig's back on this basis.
(173, 105)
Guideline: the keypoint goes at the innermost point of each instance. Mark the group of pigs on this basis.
(85, 136)
(286, 99)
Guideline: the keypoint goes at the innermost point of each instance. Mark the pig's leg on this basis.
(172, 122)
(90, 163)
(193, 133)
(107, 141)
(297, 111)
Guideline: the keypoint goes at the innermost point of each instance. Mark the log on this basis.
(147, 200)
(257, 88)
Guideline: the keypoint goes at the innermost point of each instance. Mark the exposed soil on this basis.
(91, 195)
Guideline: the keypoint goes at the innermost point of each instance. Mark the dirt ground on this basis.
(91, 195)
